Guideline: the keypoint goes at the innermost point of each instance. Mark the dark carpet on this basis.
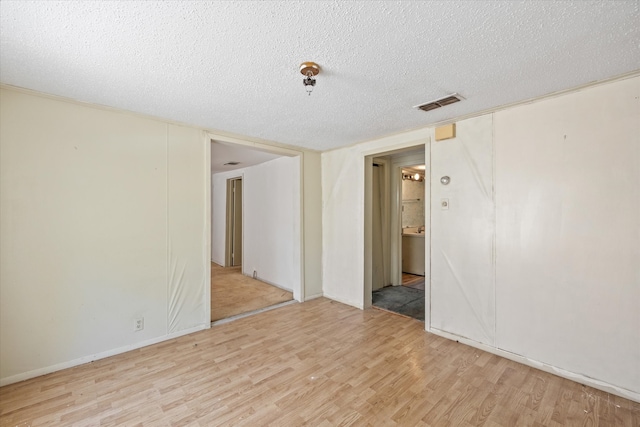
(400, 299)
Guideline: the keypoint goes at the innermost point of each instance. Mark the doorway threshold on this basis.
(402, 300)
(251, 313)
(386, 310)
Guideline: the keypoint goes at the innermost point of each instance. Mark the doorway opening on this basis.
(408, 298)
(233, 252)
(396, 246)
(255, 229)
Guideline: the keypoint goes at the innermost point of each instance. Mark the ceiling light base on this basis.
(307, 68)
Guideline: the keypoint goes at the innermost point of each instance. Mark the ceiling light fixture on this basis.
(309, 70)
(412, 177)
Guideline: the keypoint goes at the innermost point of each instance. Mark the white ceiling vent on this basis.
(449, 99)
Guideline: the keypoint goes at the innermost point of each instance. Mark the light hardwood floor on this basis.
(413, 281)
(319, 363)
(232, 293)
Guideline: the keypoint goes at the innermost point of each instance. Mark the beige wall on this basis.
(462, 236)
(102, 222)
(343, 216)
(568, 232)
(312, 224)
(549, 193)
(103, 219)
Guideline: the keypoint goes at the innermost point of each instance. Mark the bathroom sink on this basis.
(413, 231)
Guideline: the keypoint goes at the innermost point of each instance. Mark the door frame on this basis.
(387, 208)
(230, 225)
(367, 159)
(299, 287)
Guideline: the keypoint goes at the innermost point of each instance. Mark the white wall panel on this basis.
(84, 203)
(187, 241)
(462, 262)
(568, 232)
(312, 211)
(271, 230)
(343, 226)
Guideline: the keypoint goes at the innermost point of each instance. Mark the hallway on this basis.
(232, 293)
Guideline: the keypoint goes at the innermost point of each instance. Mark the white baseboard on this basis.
(579, 378)
(314, 296)
(87, 359)
(284, 288)
(344, 301)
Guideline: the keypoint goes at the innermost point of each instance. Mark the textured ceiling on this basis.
(233, 66)
(222, 153)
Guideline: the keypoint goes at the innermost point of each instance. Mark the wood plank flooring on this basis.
(232, 293)
(319, 363)
(413, 281)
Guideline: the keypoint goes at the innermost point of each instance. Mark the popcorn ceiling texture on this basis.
(233, 66)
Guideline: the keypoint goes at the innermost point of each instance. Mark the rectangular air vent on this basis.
(449, 99)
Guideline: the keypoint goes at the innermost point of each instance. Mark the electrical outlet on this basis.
(138, 324)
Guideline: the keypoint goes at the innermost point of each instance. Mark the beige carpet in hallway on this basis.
(232, 293)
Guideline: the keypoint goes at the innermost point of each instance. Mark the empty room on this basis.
(444, 197)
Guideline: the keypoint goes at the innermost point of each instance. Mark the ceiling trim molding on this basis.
(247, 143)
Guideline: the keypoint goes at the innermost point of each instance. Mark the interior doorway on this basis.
(396, 207)
(255, 244)
(233, 255)
(408, 297)
(380, 217)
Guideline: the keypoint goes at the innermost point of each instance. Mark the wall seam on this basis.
(495, 230)
(167, 239)
(428, 202)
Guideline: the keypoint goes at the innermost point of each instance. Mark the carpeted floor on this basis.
(400, 299)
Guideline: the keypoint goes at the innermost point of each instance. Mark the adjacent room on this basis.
(398, 232)
(255, 260)
(320, 213)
